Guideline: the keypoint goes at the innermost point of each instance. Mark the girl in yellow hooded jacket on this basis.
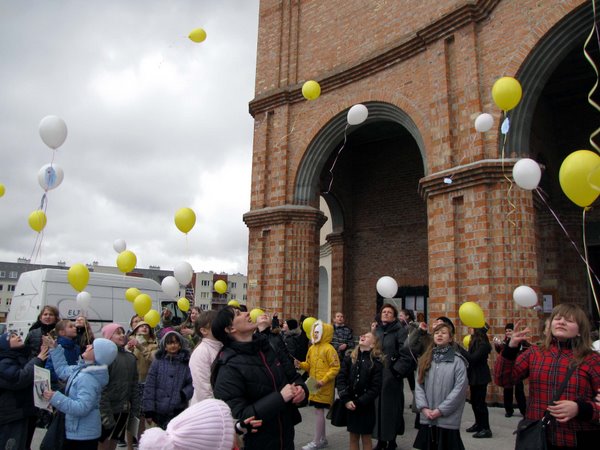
(322, 364)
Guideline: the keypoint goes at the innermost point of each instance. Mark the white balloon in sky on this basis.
(50, 176)
(387, 287)
(170, 286)
(83, 299)
(183, 272)
(357, 114)
(53, 131)
(120, 245)
(525, 296)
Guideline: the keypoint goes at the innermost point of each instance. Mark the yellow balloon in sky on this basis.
(126, 261)
(311, 90)
(78, 276)
(198, 35)
(233, 303)
(183, 304)
(152, 318)
(507, 93)
(2, 189)
(307, 325)
(131, 294)
(471, 315)
(185, 219)
(467, 341)
(142, 304)
(220, 286)
(37, 220)
(255, 314)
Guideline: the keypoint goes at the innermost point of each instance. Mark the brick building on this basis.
(425, 70)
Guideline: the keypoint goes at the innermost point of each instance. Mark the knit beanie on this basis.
(206, 425)
(5, 341)
(109, 330)
(448, 321)
(292, 324)
(105, 351)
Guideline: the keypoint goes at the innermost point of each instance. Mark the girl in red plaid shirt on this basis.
(576, 414)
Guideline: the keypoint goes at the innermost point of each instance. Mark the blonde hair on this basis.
(427, 357)
(375, 353)
(582, 343)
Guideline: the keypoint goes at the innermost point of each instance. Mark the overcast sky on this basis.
(155, 123)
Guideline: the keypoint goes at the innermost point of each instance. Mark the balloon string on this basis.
(589, 270)
(513, 207)
(584, 259)
(592, 102)
(336, 158)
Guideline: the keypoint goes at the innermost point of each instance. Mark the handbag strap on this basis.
(559, 391)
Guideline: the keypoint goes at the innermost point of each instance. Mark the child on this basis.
(359, 384)
(85, 334)
(203, 357)
(16, 382)
(169, 384)
(143, 345)
(441, 392)
(322, 364)
(207, 425)
(120, 400)
(67, 335)
(85, 383)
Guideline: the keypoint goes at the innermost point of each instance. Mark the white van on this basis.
(38, 288)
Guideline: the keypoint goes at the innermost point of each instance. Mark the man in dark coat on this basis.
(255, 380)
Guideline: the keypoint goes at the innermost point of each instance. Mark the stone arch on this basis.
(537, 69)
(319, 150)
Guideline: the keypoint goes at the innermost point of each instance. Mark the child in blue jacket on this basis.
(66, 332)
(169, 385)
(84, 388)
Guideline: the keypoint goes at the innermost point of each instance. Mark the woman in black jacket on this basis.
(479, 377)
(256, 380)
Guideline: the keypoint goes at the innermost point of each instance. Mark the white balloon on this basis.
(525, 296)
(170, 286)
(83, 299)
(484, 122)
(527, 173)
(53, 131)
(50, 176)
(120, 245)
(183, 272)
(357, 114)
(387, 287)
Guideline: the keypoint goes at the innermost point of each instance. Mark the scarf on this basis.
(440, 352)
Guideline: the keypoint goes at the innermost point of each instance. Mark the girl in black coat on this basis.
(479, 377)
(16, 390)
(359, 384)
(256, 381)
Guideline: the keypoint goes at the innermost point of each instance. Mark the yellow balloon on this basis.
(198, 35)
(131, 294)
(185, 219)
(467, 341)
(255, 314)
(220, 286)
(37, 220)
(152, 318)
(2, 189)
(183, 304)
(142, 304)
(307, 325)
(594, 178)
(574, 177)
(471, 315)
(126, 261)
(233, 303)
(507, 93)
(311, 90)
(78, 276)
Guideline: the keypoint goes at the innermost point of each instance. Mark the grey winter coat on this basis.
(444, 388)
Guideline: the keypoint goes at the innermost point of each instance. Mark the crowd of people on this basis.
(222, 380)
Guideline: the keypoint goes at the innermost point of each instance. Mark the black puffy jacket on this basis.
(248, 376)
